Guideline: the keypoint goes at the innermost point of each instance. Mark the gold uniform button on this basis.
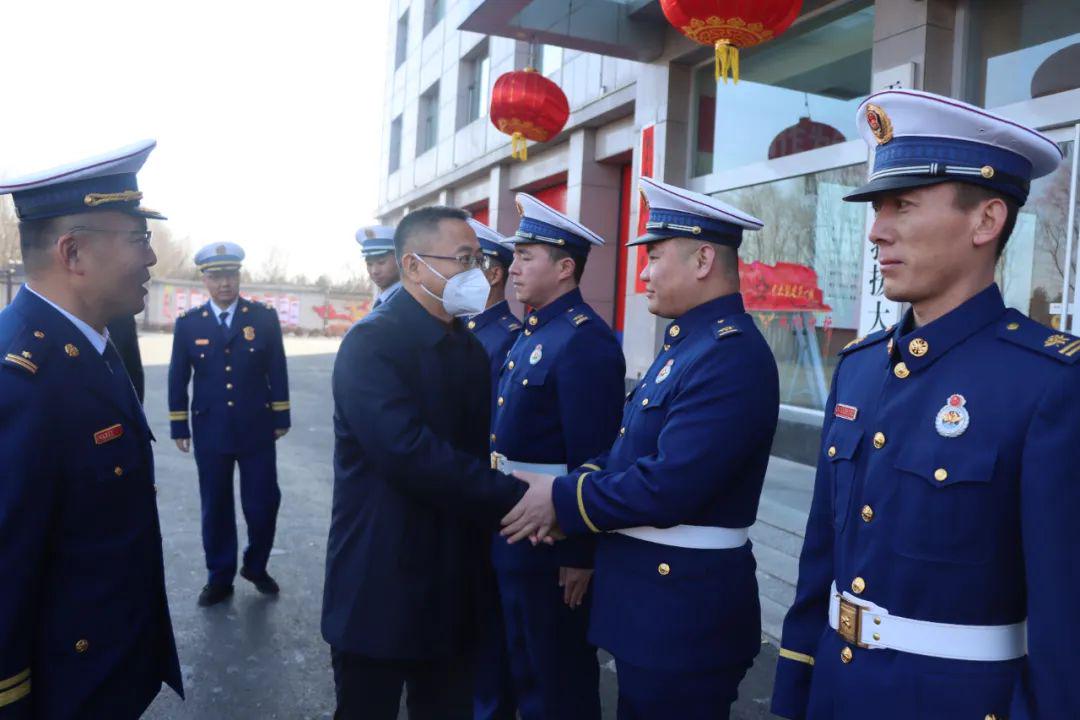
(832, 451)
(525, 381)
(918, 347)
(666, 347)
(664, 569)
(82, 646)
(1011, 326)
(622, 431)
(901, 370)
(511, 365)
(118, 471)
(673, 331)
(492, 437)
(228, 368)
(39, 335)
(644, 402)
(986, 171)
(501, 401)
(879, 440)
(533, 320)
(230, 403)
(877, 636)
(858, 585)
(472, 325)
(941, 474)
(867, 513)
(846, 655)
(228, 386)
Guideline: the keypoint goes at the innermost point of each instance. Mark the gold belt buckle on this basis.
(850, 625)
(498, 461)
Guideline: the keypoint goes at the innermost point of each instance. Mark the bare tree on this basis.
(174, 259)
(273, 270)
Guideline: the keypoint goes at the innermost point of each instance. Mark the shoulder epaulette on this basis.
(26, 351)
(510, 323)
(866, 341)
(726, 328)
(1017, 328)
(576, 318)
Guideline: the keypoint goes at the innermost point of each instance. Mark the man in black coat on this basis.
(125, 336)
(414, 494)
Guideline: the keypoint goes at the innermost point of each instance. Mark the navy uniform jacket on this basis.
(241, 389)
(414, 494)
(692, 450)
(496, 328)
(977, 528)
(559, 400)
(84, 622)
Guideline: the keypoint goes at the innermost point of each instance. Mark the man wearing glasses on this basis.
(415, 498)
(239, 409)
(84, 622)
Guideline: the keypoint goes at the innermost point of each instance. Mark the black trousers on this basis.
(370, 688)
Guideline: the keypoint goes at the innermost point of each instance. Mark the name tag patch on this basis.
(202, 341)
(846, 412)
(108, 434)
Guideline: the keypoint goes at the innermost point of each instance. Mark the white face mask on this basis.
(465, 294)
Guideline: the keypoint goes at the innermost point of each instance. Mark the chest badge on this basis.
(953, 419)
(249, 333)
(537, 354)
(664, 372)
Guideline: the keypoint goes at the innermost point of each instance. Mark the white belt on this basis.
(502, 464)
(696, 537)
(869, 626)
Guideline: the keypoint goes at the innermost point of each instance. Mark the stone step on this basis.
(762, 533)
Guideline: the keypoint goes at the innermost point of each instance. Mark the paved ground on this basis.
(254, 657)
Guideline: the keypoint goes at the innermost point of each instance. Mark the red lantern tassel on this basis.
(727, 59)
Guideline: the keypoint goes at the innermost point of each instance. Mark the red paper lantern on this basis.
(805, 135)
(729, 25)
(527, 106)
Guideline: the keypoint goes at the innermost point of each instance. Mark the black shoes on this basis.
(263, 583)
(213, 594)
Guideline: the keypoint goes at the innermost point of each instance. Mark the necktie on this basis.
(223, 317)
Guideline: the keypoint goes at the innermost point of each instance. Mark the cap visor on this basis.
(874, 188)
(146, 213)
(648, 238)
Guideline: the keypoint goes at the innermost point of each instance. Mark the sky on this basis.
(268, 115)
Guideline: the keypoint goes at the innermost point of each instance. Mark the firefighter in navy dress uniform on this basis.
(672, 500)
(377, 247)
(84, 622)
(938, 579)
(238, 410)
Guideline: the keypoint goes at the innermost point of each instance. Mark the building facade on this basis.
(780, 144)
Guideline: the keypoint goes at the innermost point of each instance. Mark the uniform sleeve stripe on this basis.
(581, 504)
(14, 679)
(280, 405)
(7, 697)
(22, 362)
(796, 656)
(181, 415)
(591, 466)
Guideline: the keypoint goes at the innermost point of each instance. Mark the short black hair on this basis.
(425, 219)
(35, 236)
(557, 253)
(968, 195)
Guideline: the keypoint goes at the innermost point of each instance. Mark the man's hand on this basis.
(278, 434)
(534, 515)
(184, 444)
(574, 582)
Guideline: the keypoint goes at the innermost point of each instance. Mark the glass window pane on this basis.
(1032, 267)
(1021, 49)
(796, 93)
(812, 243)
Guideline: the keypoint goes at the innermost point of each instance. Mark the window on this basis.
(795, 93)
(551, 59)
(810, 236)
(433, 13)
(402, 40)
(427, 130)
(395, 144)
(1032, 269)
(474, 81)
(1021, 49)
